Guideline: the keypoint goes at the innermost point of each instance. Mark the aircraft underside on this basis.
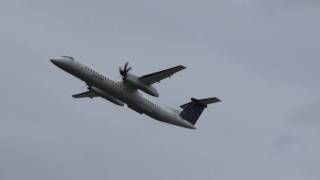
(127, 92)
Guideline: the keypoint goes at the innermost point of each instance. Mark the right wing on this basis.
(88, 94)
(159, 76)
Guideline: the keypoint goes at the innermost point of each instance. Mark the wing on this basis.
(88, 94)
(159, 76)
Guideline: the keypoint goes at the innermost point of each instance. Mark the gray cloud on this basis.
(306, 115)
(260, 57)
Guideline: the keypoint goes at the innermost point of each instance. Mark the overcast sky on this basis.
(261, 57)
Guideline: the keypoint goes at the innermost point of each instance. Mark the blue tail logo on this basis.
(193, 110)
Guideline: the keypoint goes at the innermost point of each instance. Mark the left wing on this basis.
(88, 94)
(95, 92)
(159, 76)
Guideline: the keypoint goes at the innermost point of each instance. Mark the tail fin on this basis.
(193, 110)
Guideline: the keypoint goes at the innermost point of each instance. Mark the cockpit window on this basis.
(69, 57)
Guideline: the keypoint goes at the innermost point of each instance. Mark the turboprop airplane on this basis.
(126, 92)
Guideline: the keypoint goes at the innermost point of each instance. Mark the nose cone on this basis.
(53, 61)
(56, 61)
(62, 62)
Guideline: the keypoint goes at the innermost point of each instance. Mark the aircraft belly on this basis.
(136, 108)
(119, 92)
(170, 118)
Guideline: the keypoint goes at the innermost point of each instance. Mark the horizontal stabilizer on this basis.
(204, 102)
(209, 100)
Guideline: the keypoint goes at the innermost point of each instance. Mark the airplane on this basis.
(126, 91)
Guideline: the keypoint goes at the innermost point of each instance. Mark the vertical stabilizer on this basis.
(193, 110)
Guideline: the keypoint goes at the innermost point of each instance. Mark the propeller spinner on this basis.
(125, 70)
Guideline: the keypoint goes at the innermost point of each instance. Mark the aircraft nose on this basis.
(63, 62)
(54, 61)
(57, 61)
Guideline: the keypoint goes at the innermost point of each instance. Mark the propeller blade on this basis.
(125, 70)
(121, 70)
(126, 66)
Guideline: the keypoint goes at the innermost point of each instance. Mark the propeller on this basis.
(124, 71)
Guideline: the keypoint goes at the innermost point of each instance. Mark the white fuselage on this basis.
(121, 91)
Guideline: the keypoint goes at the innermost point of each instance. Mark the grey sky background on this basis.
(261, 57)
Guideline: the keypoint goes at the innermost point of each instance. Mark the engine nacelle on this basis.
(137, 83)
